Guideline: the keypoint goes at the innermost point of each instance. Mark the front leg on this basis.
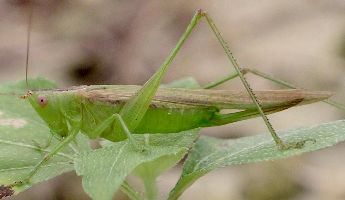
(48, 156)
(119, 122)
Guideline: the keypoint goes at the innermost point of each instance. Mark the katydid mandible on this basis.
(116, 112)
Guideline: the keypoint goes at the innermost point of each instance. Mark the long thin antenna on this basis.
(28, 36)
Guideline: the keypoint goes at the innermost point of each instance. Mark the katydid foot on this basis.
(294, 145)
(137, 146)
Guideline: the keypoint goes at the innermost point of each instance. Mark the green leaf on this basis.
(149, 171)
(211, 153)
(23, 136)
(104, 170)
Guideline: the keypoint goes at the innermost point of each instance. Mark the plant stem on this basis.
(150, 188)
(130, 192)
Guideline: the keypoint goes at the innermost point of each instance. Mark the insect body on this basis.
(171, 110)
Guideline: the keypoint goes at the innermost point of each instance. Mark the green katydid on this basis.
(116, 112)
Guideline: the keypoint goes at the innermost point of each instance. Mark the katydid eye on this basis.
(42, 101)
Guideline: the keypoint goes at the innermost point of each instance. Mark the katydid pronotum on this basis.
(116, 112)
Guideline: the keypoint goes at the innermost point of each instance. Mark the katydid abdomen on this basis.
(171, 110)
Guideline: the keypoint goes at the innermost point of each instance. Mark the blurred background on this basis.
(124, 42)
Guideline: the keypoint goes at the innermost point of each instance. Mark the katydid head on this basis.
(47, 107)
(40, 102)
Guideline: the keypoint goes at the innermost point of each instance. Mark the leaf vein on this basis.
(33, 147)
